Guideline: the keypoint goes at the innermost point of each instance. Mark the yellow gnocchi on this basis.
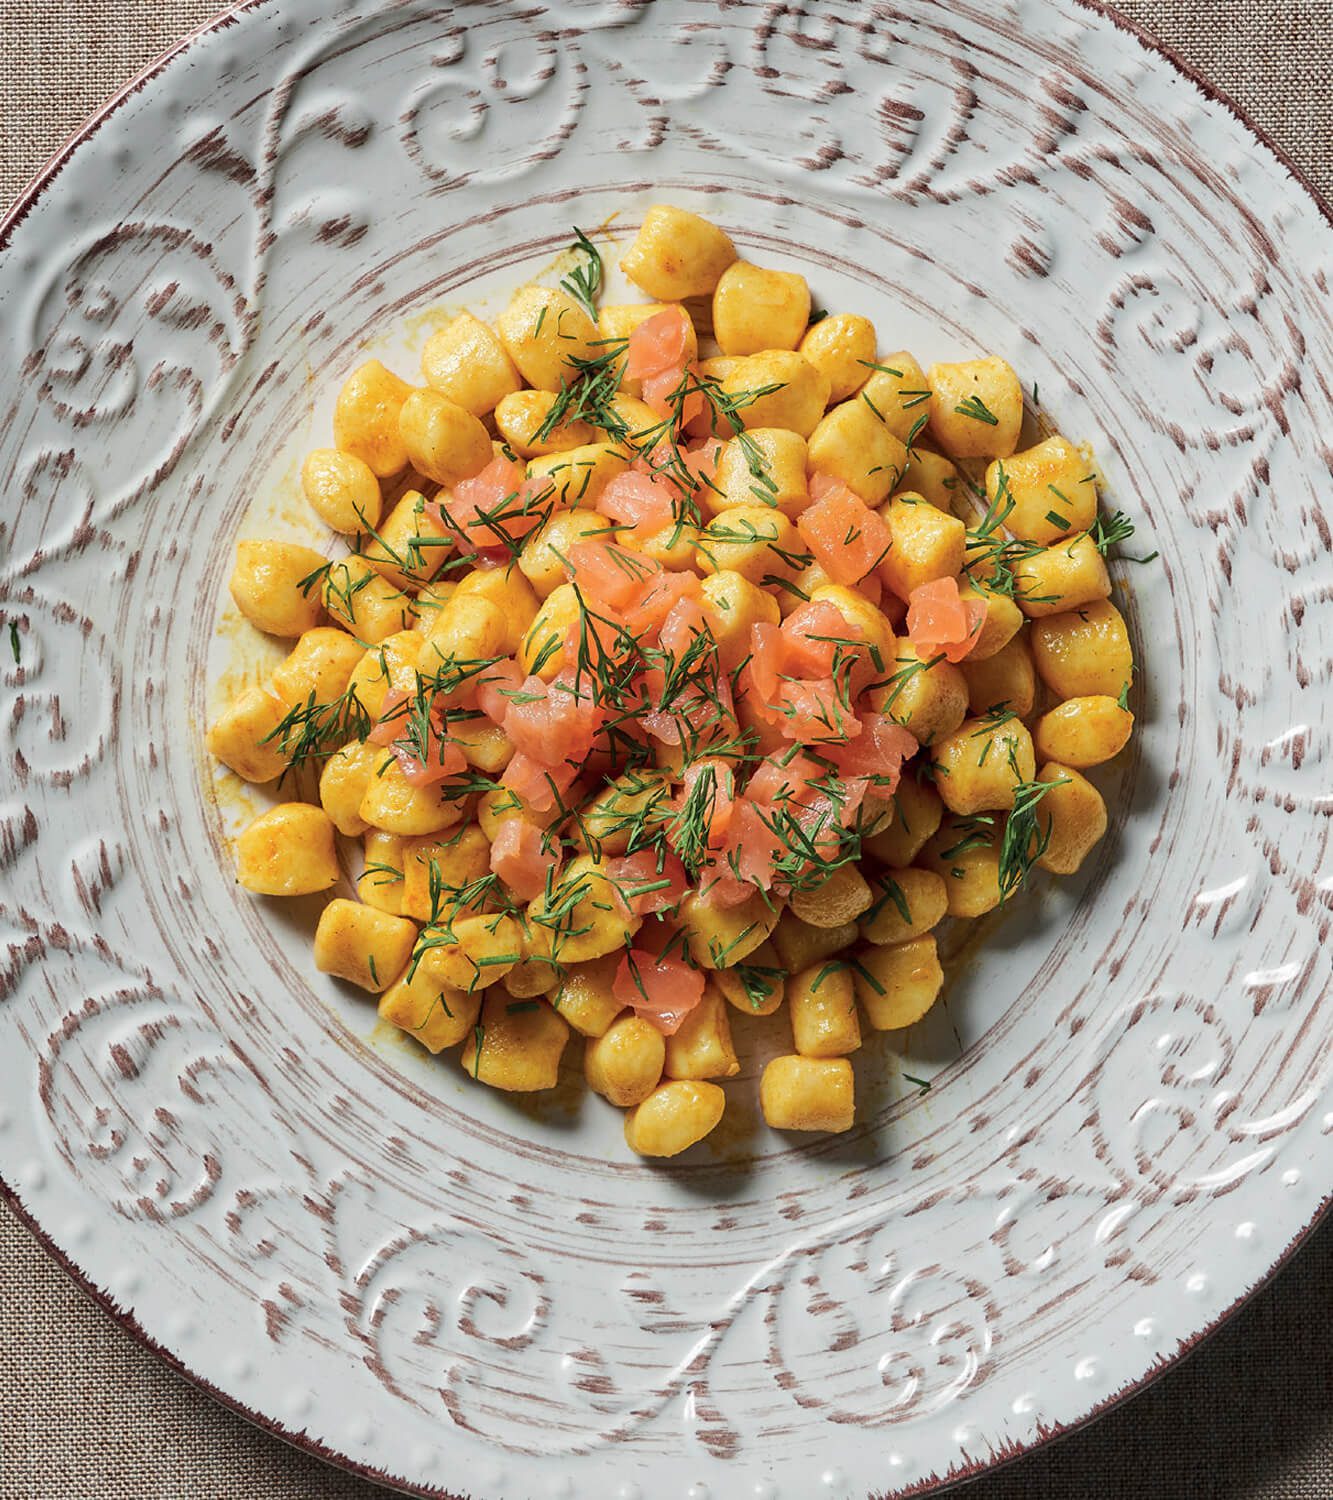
(670, 663)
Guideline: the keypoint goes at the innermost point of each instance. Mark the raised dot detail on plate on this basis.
(964, 1434)
(765, 1490)
(1087, 1369)
(1024, 1405)
(32, 1175)
(1291, 1177)
(697, 1492)
(124, 1284)
(6, 1118)
(834, 1479)
(1145, 1328)
(239, 1367)
(1328, 1122)
(76, 1231)
(298, 1403)
(1248, 1232)
(563, 1488)
(180, 1325)
(360, 1430)
(1196, 1284)
(424, 1457)
(629, 1492)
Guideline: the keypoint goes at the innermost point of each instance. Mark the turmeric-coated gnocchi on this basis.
(342, 490)
(266, 584)
(516, 1045)
(755, 308)
(466, 362)
(679, 676)
(366, 417)
(808, 1093)
(976, 407)
(287, 851)
(677, 254)
(674, 1117)
(443, 440)
(842, 347)
(624, 1064)
(363, 944)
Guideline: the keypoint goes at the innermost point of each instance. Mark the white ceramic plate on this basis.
(1128, 1119)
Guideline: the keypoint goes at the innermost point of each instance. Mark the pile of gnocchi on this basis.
(688, 660)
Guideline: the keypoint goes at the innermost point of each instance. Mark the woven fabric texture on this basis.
(85, 1414)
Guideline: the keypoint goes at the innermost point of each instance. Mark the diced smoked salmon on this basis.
(495, 508)
(810, 635)
(539, 786)
(636, 500)
(392, 720)
(658, 343)
(661, 990)
(553, 722)
(519, 857)
(940, 622)
(878, 752)
(662, 393)
(443, 760)
(658, 597)
(847, 538)
(683, 625)
(496, 687)
(609, 574)
(648, 881)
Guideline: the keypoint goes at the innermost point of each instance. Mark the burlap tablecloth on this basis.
(85, 1414)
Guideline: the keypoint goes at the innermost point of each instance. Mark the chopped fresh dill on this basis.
(585, 280)
(1107, 533)
(859, 968)
(832, 967)
(312, 730)
(443, 1004)
(890, 891)
(1024, 840)
(759, 982)
(1110, 533)
(976, 408)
